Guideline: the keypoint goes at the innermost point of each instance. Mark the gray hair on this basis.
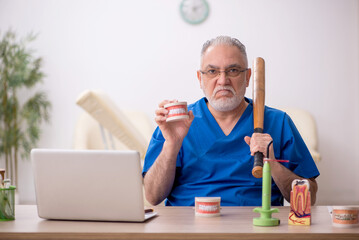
(224, 40)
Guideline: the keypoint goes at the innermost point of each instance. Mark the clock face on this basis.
(194, 11)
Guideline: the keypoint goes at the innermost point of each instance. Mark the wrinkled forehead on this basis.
(222, 56)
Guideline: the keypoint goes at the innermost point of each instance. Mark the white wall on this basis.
(141, 52)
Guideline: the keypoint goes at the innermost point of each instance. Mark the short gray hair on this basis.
(224, 40)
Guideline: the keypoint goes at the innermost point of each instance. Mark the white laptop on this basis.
(98, 185)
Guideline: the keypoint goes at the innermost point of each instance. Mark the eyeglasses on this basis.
(231, 72)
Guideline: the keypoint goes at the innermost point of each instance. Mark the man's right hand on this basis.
(160, 177)
(173, 132)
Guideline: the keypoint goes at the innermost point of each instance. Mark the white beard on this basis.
(224, 104)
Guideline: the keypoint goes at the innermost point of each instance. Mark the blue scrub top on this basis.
(211, 164)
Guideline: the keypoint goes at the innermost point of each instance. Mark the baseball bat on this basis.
(258, 109)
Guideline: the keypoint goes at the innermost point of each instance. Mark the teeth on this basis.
(301, 183)
(177, 111)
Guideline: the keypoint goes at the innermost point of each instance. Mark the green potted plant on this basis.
(20, 118)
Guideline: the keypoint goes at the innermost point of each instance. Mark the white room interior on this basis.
(141, 52)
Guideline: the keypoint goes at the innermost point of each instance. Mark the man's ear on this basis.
(199, 76)
(248, 76)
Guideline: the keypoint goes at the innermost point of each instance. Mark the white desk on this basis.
(175, 223)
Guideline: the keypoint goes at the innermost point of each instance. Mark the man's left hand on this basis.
(259, 143)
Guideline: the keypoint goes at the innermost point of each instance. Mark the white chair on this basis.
(105, 126)
(306, 125)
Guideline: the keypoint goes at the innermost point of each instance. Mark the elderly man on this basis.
(211, 153)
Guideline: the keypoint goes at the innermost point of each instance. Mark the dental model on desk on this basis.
(300, 203)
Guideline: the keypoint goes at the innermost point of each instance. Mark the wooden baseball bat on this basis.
(258, 109)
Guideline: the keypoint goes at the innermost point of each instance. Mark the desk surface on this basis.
(175, 223)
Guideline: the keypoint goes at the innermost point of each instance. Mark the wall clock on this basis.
(194, 11)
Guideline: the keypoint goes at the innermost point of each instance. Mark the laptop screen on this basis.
(98, 185)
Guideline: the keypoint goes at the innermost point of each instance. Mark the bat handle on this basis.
(258, 165)
(258, 159)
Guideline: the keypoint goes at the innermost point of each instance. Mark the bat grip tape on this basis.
(258, 156)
